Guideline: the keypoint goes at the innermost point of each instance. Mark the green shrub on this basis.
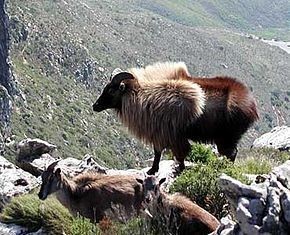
(200, 153)
(200, 183)
(81, 225)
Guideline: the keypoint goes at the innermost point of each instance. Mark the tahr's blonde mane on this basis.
(163, 106)
(160, 71)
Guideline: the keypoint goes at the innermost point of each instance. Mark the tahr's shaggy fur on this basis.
(94, 196)
(164, 106)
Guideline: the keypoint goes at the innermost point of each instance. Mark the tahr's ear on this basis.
(122, 86)
(140, 181)
(57, 172)
(161, 181)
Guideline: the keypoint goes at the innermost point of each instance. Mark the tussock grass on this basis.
(30, 212)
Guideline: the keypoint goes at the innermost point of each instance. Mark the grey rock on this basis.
(14, 181)
(228, 227)
(257, 208)
(285, 204)
(235, 189)
(244, 218)
(7, 88)
(34, 155)
(36, 166)
(283, 173)
(272, 218)
(39, 232)
(266, 211)
(34, 148)
(278, 138)
(73, 166)
(12, 229)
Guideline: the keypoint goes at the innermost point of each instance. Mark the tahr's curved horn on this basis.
(116, 71)
(52, 165)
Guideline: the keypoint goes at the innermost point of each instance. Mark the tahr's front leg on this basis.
(155, 166)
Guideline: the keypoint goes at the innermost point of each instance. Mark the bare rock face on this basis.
(14, 181)
(260, 208)
(278, 138)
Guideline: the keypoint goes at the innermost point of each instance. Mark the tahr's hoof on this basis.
(178, 169)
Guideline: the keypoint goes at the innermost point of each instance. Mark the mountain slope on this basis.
(63, 52)
(265, 18)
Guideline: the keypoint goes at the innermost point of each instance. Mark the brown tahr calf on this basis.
(93, 195)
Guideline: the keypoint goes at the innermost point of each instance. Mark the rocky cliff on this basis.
(6, 87)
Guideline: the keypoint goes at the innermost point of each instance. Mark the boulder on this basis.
(35, 166)
(34, 155)
(34, 148)
(278, 138)
(14, 181)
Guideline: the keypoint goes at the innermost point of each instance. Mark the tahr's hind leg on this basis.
(155, 166)
(227, 149)
(180, 152)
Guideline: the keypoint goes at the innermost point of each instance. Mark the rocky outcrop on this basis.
(34, 155)
(4, 42)
(259, 208)
(278, 138)
(14, 181)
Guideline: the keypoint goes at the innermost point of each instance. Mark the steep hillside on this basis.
(266, 18)
(64, 50)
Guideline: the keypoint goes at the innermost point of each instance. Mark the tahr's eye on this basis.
(111, 91)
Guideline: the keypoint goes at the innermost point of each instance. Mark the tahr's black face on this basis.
(111, 98)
